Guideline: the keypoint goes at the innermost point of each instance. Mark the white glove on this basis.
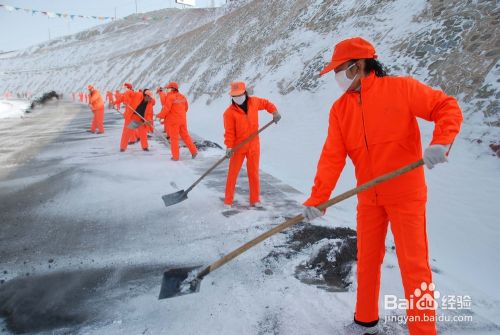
(229, 152)
(310, 213)
(435, 154)
(276, 117)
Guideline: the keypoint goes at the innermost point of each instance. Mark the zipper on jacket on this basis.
(360, 102)
(363, 120)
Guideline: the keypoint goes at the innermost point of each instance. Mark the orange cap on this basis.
(128, 85)
(351, 48)
(237, 88)
(148, 93)
(90, 87)
(172, 84)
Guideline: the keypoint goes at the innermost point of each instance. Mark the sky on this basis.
(20, 29)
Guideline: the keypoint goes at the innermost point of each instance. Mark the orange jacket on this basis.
(129, 98)
(118, 97)
(95, 100)
(377, 128)
(149, 110)
(136, 101)
(175, 108)
(109, 96)
(239, 125)
(163, 101)
(163, 97)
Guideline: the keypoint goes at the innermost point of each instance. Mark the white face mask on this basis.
(239, 100)
(342, 80)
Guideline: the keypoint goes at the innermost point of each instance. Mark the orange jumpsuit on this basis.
(142, 131)
(129, 99)
(238, 126)
(377, 128)
(149, 116)
(175, 109)
(109, 99)
(80, 95)
(163, 100)
(117, 100)
(97, 105)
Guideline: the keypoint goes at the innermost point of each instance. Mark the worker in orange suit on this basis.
(163, 100)
(374, 122)
(117, 99)
(129, 98)
(96, 104)
(175, 109)
(241, 119)
(109, 99)
(80, 96)
(142, 104)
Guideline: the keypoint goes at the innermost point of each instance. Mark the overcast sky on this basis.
(20, 29)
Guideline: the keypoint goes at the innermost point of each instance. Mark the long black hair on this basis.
(374, 65)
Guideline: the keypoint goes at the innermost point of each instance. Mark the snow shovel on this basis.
(179, 196)
(181, 281)
(134, 125)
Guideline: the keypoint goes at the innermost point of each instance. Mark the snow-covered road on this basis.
(85, 238)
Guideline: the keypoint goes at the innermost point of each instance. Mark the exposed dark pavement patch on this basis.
(330, 266)
(71, 299)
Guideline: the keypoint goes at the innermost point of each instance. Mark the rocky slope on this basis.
(280, 44)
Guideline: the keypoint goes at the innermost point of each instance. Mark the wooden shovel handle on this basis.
(300, 218)
(236, 148)
(160, 136)
(249, 138)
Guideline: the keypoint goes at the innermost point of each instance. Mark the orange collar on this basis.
(366, 82)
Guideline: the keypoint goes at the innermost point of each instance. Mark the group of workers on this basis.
(373, 122)
(139, 115)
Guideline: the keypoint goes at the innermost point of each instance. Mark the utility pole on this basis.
(136, 6)
(115, 13)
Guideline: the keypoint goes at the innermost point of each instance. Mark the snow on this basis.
(239, 297)
(13, 108)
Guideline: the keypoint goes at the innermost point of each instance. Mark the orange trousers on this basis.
(165, 127)
(408, 225)
(131, 135)
(151, 125)
(235, 162)
(98, 121)
(179, 129)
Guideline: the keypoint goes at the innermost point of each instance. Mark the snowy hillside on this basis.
(278, 47)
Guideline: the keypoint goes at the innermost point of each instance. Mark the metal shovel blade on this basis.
(173, 285)
(134, 125)
(174, 198)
